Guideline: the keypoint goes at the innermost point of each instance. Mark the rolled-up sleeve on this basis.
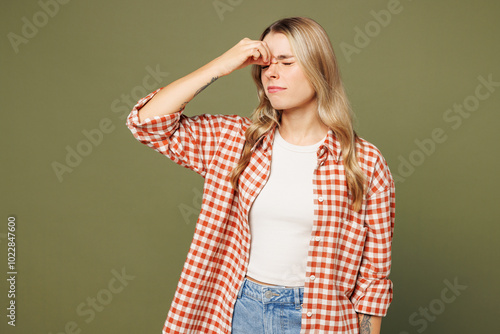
(374, 290)
(188, 141)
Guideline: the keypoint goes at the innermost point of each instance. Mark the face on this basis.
(285, 84)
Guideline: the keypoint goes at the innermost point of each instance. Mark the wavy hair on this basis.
(314, 53)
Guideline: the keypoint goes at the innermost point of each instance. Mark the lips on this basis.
(275, 89)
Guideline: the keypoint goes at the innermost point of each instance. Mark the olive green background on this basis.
(126, 207)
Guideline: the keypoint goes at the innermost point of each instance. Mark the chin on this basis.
(279, 106)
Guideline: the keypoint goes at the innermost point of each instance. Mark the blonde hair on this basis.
(314, 52)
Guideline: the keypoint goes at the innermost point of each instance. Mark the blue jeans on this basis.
(263, 309)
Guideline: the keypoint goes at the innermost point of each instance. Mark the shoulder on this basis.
(368, 154)
(374, 165)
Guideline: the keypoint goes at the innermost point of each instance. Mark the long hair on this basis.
(314, 53)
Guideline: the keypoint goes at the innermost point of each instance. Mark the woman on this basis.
(299, 245)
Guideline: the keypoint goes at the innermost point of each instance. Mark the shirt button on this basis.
(309, 314)
(312, 277)
(320, 199)
(318, 238)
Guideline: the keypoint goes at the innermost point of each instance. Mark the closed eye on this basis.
(267, 66)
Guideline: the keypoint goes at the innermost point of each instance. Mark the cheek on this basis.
(264, 81)
(297, 76)
(302, 86)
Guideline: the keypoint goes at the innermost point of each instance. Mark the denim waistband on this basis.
(272, 294)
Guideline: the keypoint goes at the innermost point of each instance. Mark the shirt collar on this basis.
(330, 145)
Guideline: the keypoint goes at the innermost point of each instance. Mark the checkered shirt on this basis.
(349, 255)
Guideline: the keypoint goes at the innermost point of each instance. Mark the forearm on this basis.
(177, 94)
(369, 324)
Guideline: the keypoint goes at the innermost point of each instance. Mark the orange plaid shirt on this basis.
(349, 256)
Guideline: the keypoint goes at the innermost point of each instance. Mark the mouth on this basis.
(274, 89)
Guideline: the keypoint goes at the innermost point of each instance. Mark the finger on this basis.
(265, 56)
(264, 50)
(258, 61)
(256, 54)
(261, 48)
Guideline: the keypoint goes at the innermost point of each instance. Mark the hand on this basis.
(246, 52)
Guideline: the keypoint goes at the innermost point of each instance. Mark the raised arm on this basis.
(177, 94)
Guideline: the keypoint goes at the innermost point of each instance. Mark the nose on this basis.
(272, 70)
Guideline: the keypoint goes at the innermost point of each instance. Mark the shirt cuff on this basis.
(372, 296)
(167, 124)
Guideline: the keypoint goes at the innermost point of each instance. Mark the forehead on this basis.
(278, 44)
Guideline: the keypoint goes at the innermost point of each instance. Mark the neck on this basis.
(302, 126)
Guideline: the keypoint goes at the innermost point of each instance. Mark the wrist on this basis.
(216, 68)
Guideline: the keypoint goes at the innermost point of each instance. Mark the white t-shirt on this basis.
(282, 216)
